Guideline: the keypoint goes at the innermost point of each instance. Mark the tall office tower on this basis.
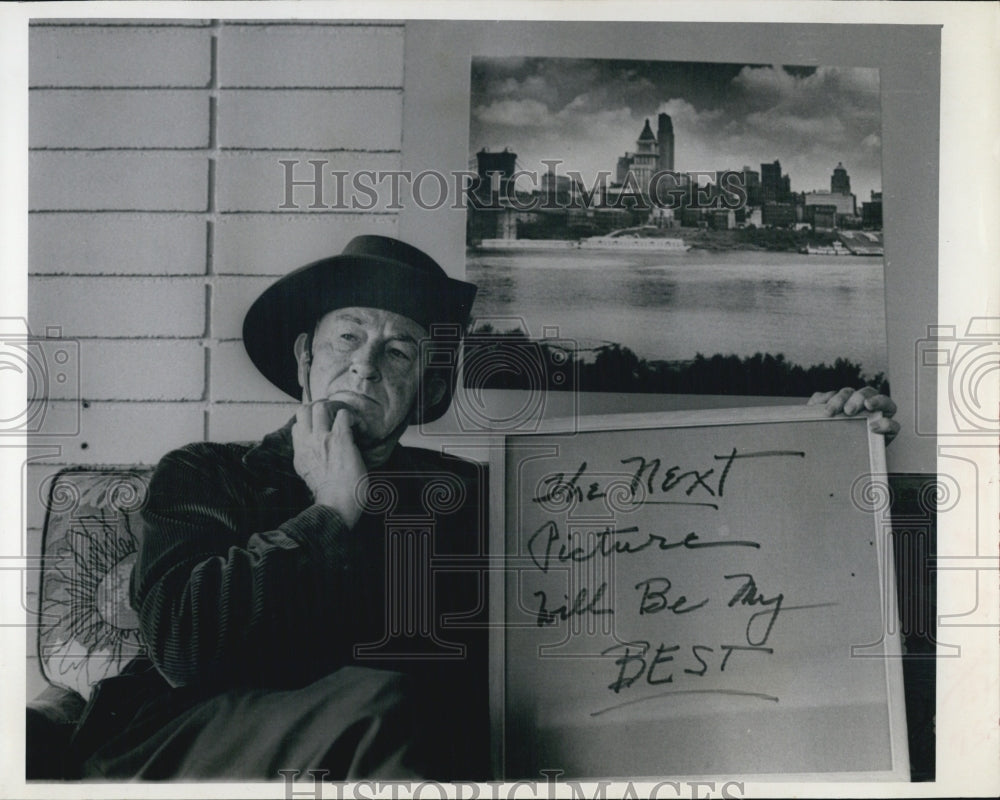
(622, 168)
(840, 181)
(770, 182)
(751, 182)
(644, 159)
(665, 142)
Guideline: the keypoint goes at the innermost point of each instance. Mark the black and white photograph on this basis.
(681, 224)
(405, 404)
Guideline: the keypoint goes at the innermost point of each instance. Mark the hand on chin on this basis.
(354, 405)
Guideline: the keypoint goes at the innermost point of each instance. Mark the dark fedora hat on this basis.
(372, 272)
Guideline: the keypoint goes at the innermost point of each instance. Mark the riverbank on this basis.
(669, 307)
(761, 239)
(779, 240)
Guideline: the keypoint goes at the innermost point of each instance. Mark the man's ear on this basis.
(302, 358)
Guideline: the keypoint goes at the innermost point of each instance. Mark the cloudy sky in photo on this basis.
(588, 112)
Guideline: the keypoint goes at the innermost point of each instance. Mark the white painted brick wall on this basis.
(120, 118)
(116, 307)
(234, 377)
(318, 119)
(122, 56)
(117, 244)
(104, 22)
(119, 432)
(125, 180)
(255, 181)
(156, 191)
(171, 369)
(311, 56)
(273, 244)
(155, 194)
(231, 297)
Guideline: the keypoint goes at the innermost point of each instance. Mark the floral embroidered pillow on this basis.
(88, 630)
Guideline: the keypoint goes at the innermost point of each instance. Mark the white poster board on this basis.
(695, 594)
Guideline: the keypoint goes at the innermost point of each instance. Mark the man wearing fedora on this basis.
(269, 574)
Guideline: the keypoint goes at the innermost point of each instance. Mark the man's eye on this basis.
(348, 337)
(395, 352)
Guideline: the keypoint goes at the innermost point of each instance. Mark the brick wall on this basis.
(155, 188)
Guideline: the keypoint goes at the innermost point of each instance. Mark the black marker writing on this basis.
(654, 598)
(581, 606)
(747, 595)
(547, 543)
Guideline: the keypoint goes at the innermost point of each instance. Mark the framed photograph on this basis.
(677, 226)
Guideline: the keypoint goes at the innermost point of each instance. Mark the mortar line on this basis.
(210, 218)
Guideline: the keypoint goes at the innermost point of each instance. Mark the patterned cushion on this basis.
(88, 630)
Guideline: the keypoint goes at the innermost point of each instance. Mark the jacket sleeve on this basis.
(215, 605)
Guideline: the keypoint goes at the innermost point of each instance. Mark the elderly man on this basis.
(270, 582)
(273, 602)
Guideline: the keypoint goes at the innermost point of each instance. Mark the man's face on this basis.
(368, 359)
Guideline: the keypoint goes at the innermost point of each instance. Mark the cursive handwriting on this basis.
(655, 600)
(547, 543)
(747, 595)
(647, 473)
(581, 606)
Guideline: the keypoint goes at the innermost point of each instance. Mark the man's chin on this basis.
(367, 433)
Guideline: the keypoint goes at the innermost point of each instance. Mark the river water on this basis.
(813, 309)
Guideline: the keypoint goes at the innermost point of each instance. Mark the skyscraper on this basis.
(644, 159)
(665, 142)
(840, 181)
(751, 180)
(770, 183)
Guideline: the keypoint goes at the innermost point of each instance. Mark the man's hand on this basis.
(851, 401)
(327, 458)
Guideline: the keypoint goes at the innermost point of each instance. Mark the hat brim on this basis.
(295, 303)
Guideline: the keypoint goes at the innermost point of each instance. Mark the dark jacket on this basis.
(242, 582)
(242, 579)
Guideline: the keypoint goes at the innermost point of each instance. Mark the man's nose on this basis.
(364, 362)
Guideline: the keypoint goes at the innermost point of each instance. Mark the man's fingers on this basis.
(303, 419)
(850, 401)
(885, 426)
(856, 400)
(835, 404)
(341, 423)
(818, 398)
(320, 416)
(881, 402)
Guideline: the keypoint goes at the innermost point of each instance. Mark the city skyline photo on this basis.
(772, 285)
(587, 112)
